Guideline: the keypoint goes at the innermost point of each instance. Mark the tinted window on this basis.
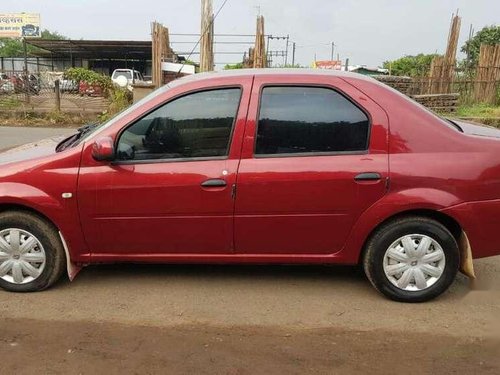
(195, 125)
(309, 119)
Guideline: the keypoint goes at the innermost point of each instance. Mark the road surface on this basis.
(199, 319)
(14, 136)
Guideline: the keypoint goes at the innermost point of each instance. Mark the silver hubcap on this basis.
(414, 262)
(22, 257)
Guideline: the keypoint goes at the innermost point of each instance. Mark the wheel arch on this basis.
(26, 208)
(447, 221)
(71, 268)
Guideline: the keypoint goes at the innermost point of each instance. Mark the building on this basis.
(103, 56)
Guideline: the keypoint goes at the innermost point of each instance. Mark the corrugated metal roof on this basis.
(93, 49)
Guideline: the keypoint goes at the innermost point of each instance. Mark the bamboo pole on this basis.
(207, 37)
(442, 72)
(259, 52)
(160, 51)
(488, 74)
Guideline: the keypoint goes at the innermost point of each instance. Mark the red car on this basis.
(263, 166)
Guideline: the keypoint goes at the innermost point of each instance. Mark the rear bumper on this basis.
(481, 222)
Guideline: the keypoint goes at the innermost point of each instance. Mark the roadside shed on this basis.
(99, 55)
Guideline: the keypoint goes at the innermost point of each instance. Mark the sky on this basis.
(368, 32)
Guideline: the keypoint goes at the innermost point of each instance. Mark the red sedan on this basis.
(263, 166)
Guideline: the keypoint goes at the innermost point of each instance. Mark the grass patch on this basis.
(9, 102)
(51, 119)
(479, 110)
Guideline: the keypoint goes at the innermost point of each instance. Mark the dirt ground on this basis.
(151, 319)
(93, 348)
(195, 319)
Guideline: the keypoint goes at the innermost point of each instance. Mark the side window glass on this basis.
(195, 125)
(295, 120)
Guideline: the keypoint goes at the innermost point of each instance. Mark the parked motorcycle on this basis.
(23, 83)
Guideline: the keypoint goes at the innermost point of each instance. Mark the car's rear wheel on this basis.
(31, 254)
(412, 259)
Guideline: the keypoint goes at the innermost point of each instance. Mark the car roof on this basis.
(125, 70)
(274, 72)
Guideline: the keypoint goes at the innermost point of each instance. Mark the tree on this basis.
(412, 66)
(14, 47)
(488, 35)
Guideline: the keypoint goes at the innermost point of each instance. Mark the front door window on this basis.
(197, 125)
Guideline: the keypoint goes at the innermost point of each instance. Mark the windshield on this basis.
(124, 113)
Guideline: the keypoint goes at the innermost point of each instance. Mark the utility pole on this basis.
(286, 56)
(333, 50)
(293, 54)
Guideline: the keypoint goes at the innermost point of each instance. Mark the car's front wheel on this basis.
(412, 259)
(31, 254)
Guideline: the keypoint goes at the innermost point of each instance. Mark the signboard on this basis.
(20, 25)
(328, 64)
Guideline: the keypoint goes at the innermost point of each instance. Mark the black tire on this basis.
(49, 238)
(390, 232)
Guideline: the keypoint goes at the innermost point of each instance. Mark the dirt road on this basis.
(247, 319)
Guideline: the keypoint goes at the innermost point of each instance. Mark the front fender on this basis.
(390, 205)
(63, 213)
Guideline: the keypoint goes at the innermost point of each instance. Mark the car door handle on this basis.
(213, 183)
(368, 176)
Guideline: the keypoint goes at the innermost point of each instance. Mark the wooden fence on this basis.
(464, 91)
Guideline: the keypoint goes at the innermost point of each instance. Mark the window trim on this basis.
(320, 153)
(169, 100)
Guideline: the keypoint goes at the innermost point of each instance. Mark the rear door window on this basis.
(309, 120)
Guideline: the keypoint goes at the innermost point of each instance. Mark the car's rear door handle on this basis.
(368, 176)
(213, 183)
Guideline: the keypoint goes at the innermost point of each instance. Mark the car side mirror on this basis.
(125, 151)
(103, 149)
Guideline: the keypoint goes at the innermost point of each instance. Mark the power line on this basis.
(187, 42)
(220, 35)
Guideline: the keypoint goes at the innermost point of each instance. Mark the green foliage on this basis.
(121, 98)
(14, 47)
(412, 66)
(89, 76)
(488, 35)
(291, 66)
(240, 66)
(52, 35)
(11, 48)
(233, 66)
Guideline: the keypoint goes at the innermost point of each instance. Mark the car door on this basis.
(170, 189)
(314, 158)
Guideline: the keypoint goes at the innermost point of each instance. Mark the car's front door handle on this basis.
(213, 183)
(368, 176)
